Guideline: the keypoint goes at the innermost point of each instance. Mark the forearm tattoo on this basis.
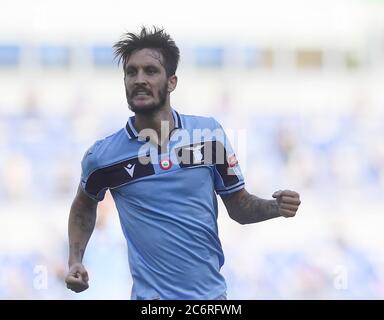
(81, 224)
(78, 250)
(247, 208)
(85, 221)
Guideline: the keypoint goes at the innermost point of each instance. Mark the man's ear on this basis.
(172, 83)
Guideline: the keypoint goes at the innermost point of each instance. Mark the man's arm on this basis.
(245, 208)
(81, 223)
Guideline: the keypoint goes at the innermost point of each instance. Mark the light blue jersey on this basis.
(167, 204)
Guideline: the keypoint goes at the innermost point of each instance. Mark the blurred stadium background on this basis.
(301, 80)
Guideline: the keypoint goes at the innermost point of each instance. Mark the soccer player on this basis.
(163, 170)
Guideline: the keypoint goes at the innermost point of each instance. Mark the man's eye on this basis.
(130, 72)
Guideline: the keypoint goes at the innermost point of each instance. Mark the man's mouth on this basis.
(141, 93)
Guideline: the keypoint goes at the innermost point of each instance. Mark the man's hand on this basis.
(288, 202)
(77, 278)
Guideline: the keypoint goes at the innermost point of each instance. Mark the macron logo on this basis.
(130, 168)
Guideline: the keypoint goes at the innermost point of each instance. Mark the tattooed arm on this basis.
(245, 208)
(82, 218)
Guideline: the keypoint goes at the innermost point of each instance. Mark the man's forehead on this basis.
(146, 56)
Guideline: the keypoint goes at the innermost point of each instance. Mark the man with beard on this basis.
(163, 178)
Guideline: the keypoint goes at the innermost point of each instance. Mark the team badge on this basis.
(232, 161)
(165, 164)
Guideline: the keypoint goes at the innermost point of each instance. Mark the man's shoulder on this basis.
(197, 121)
(101, 148)
(109, 140)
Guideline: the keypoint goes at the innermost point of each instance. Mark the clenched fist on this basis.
(77, 278)
(288, 202)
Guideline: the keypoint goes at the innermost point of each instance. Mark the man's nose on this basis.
(140, 77)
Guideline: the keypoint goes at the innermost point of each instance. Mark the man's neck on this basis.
(155, 121)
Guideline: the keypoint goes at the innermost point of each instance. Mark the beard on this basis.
(162, 94)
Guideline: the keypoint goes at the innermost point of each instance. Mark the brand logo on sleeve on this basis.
(232, 161)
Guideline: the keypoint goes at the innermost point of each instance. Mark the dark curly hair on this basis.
(153, 39)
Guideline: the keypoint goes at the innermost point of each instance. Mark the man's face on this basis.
(146, 83)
